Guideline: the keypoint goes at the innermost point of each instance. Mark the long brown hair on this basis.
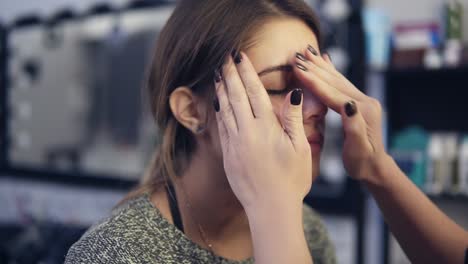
(192, 44)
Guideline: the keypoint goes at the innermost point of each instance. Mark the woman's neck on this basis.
(213, 207)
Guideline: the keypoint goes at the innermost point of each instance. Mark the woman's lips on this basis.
(315, 142)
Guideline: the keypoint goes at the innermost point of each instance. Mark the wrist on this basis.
(275, 208)
(276, 221)
(277, 233)
(384, 168)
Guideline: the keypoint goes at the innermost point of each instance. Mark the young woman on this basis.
(228, 189)
(264, 159)
(185, 211)
(266, 168)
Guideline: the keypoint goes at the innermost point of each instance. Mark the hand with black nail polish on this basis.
(361, 114)
(412, 218)
(264, 154)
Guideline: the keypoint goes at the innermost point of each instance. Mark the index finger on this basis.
(331, 75)
(236, 93)
(258, 96)
(329, 95)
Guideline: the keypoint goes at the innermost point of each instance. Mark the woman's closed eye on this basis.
(279, 92)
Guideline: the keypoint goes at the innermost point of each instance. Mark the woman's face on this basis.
(275, 44)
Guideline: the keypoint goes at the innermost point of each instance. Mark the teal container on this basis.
(409, 149)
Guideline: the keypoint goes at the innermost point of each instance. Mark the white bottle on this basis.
(463, 166)
(432, 59)
(451, 179)
(435, 169)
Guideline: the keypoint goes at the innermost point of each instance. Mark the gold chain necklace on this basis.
(199, 227)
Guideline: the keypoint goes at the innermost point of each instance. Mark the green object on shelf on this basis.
(465, 139)
(409, 149)
(454, 16)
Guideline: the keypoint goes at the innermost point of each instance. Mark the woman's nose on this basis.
(312, 107)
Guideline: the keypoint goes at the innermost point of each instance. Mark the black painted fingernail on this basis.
(301, 57)
(312, 50)
(217, 76)
(302, 67)
(350, 108)
(216, 104)
(236, 56)
(296, 97)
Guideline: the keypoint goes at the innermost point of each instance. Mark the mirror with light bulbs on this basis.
(74, 91)
(2, 94)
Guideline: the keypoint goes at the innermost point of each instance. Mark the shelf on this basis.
(450, 197)
(433, 99)
(419, 70)
(349, 201)
(99, 181)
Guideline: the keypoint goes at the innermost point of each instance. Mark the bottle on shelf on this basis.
(435, 169)
(453, 32)
(463, 166)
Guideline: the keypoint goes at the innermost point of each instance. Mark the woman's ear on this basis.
(183, 104)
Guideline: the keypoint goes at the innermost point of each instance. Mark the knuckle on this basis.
(236, 100)
(254, 90)
(375, 104)
(250, 140)
(304, 150)
(229, 70)
(227, 113)
(292, 117)
(235, 95)
(353, 128)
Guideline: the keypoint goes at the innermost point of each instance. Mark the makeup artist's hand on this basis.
(265, 160)
(363, 151)
(412, 217)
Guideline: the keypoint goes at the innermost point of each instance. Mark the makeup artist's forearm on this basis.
(278, 235)
(425, 233)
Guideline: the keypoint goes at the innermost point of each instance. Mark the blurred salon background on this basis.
(75, 135)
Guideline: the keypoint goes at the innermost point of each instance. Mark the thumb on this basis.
(291, 118)
(354, 127)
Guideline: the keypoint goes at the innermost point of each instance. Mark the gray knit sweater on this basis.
(136, 232)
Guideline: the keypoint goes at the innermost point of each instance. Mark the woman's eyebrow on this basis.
(284, 67)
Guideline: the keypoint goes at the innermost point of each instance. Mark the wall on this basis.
(10, 9)
(417, 11)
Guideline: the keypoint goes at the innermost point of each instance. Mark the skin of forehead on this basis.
(277, 41)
